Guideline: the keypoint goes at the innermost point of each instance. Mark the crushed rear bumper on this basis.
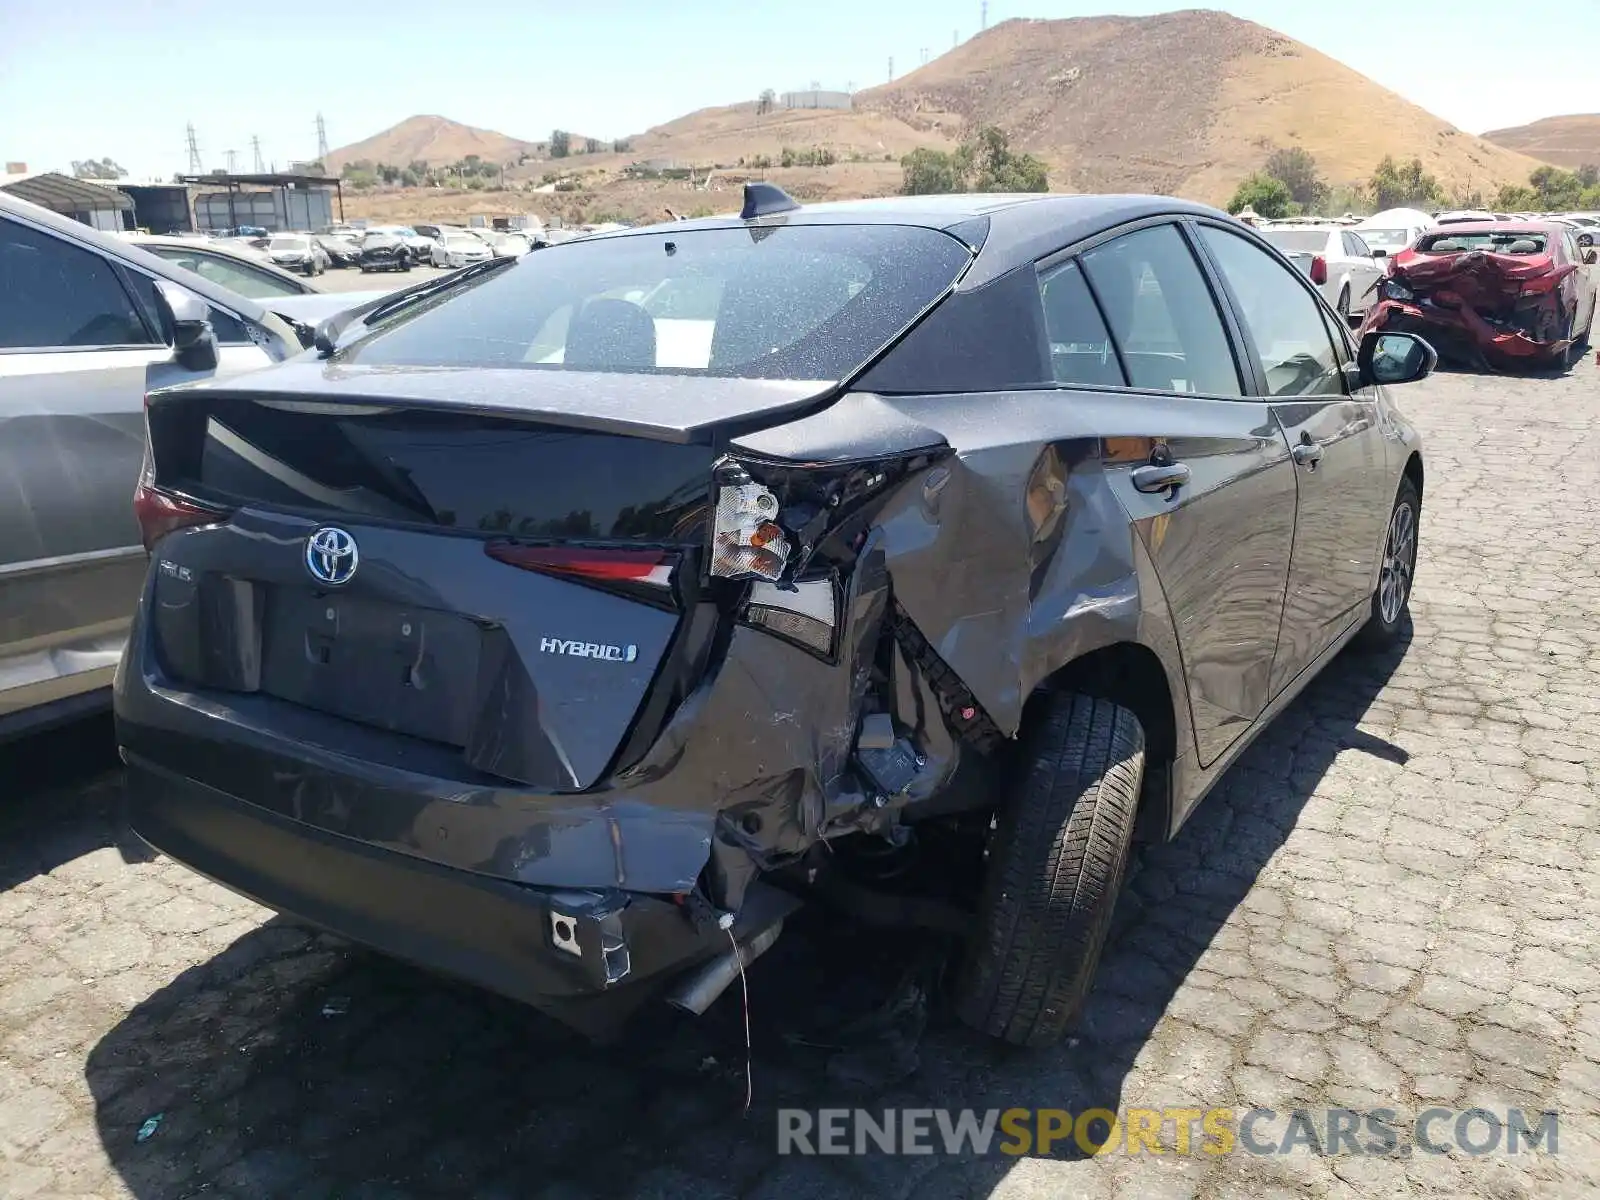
(588, 958)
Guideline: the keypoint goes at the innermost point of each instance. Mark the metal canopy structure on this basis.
(271, 179)
(66, 195)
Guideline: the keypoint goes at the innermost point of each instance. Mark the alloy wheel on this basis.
(1399, 560)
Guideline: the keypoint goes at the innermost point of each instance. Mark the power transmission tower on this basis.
(232, 156)
(255, 145)
(194, 153)
(983, 11)
(955, 38)
(891, 68)
(322, 141)
(924, 56)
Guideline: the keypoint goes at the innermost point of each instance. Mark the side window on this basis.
(1162, 314)
(1080, 346)
(1284, 318)
(55, 294)
(1355, 247)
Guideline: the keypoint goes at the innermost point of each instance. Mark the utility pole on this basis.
(194, 153)
(983, 15)
(924, 56)
(955, 38)
(255, 145)
(232, 157)
(891, 68)
(322, 141)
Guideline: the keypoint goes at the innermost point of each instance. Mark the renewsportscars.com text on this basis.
(1178, 1131)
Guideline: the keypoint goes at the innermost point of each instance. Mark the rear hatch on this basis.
(483, 528)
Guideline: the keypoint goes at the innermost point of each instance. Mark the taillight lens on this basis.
(652, 567)
(804, 613)
(1538, 285)
(1319, 270)
(746, 540)
(159, 513)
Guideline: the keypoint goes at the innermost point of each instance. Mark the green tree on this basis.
(1396, 185)
(621, 145)
(1297, 169)
(591, 145)
(97, 168)
(1557, 188)
(1513, 197)
(388, 172)
(1588, 175)
(983, 163)
(928, 172)
(1265, 193)
(560, 143)
(409, 178)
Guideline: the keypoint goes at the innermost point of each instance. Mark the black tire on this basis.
(1381, 632)
(1056, 864)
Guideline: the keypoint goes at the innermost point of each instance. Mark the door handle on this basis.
(1160, 477)
(1307, 454)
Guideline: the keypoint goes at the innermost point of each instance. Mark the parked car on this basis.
(226, 266)
(1493, 293)
(297, 252)
(421, 245)
(88, 324)
(508, 244)
(343, 250)
(1336, 260)
(460, 250)
(383, 250)
(1388, 232)
(986, 535)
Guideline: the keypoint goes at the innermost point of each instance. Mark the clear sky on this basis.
(88, 78)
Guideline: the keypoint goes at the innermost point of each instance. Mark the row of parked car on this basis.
(1496, 290)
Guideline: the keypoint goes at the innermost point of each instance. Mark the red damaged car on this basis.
(1499, 294)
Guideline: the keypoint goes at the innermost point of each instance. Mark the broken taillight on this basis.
(652, 567)
(804, 613)
(1319, 270)
(746, 540)
(159, 512)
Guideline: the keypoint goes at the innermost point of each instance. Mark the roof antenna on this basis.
(765, 199)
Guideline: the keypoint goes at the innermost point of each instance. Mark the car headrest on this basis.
(1523, 246)
(1447, 246)
(611, 335)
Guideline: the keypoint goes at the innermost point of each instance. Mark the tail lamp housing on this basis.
(746, 540)
(160, 512)
(1319, 270)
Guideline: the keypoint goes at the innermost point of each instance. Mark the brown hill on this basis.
(1185, 102)
(1569, 141)
(434, 140)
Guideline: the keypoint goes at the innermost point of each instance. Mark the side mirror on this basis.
(1386, 358)
(186, 324)
(1380, 252)
(1590, 256)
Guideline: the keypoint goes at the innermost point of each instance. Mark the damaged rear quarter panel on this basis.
(1013, 556)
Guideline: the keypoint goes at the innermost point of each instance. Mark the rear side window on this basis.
(1162, 314)
(55, 294)
(811, 302)
(1080, 345)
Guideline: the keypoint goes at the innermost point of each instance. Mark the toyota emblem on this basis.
(331, 556)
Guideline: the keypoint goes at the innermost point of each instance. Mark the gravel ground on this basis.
(1390, 902)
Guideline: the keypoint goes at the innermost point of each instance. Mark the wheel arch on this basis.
(1413, 471)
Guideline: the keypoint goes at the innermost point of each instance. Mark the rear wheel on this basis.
(1056, 864)
(1392, 600)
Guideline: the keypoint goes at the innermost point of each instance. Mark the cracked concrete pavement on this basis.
(1390, 902)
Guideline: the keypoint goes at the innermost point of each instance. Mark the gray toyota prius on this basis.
(567, 622)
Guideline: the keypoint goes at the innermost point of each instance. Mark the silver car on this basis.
(88, 325)
(297, 252)
(1335, 259)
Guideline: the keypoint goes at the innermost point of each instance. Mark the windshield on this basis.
(1385, 239)
(460, 241)
(807, 302)
(1496, 241)
(1302, 241)
(288, 243)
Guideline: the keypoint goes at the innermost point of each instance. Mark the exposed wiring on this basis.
(744, 983)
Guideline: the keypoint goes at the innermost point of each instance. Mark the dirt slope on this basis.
(1569, 141)
(431, 139)
(1185, 102)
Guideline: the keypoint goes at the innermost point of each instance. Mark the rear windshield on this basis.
(1495, 241)
(774, 302)
(1305, 241)
(1385, 239)
(288, 243)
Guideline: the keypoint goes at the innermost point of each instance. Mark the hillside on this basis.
(434, 140)
(1569, 141)
(1185, 102)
